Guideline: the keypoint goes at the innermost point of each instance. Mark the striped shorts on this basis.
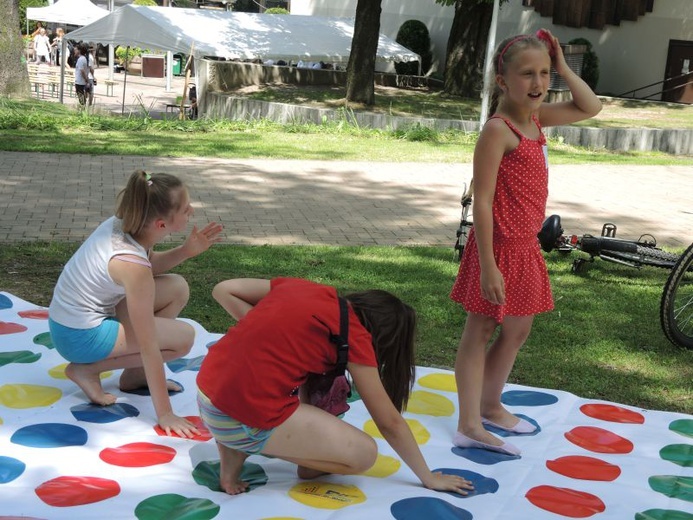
(230, 432)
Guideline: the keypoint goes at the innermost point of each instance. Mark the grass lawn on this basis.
(602, 341)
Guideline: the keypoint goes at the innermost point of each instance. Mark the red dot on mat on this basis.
(598, 440)
(138, 455)
(204, 432)
(566, 502)
(76, 491)
(7, 327)
(35, 314)
(612, 413)
(584, 468)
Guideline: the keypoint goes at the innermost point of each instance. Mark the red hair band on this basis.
(507, 46)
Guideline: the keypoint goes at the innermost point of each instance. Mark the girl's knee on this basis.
(364, 457)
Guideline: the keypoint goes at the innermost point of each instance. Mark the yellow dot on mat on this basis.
(326, 495)
(384, 467)
(444, 382)
(428, 403)
(28, 396)
(421, 434)
(58, 372)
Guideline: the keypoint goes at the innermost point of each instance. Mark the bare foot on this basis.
(234, 488)
(90, 383)
(134, 378)
(230, 468)
(309, 473)
(482, 435)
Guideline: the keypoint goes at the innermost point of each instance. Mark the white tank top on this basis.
(85, 293)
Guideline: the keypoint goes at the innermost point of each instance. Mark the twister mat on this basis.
(61, 458)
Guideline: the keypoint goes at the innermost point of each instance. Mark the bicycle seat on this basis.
(551, 230)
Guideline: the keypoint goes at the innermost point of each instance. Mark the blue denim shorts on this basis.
(84, 345)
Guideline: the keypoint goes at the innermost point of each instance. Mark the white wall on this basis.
(631, 55)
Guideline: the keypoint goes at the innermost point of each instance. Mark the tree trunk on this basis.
(364, 47)
(467, 48)
(14, 79)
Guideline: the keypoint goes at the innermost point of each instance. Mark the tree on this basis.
(14, 79)
(464, 68)
(364, 47)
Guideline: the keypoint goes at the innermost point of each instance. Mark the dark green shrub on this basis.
(276, 10)
(590, 63)
(413, 34)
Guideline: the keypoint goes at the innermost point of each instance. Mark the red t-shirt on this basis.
(253, 372)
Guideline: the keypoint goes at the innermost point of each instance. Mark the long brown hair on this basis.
(505, 53)
(147, 197)
(392, 324)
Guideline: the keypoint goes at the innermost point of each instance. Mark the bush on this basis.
(413, 34)
(590, 63)
(123, 52)
(276, 10)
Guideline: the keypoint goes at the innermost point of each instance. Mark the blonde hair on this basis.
(505, 53)
(147, 197)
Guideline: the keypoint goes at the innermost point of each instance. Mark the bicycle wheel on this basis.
(676, 308)
(643, 255)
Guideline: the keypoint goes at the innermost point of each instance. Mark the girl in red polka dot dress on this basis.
(503, 281)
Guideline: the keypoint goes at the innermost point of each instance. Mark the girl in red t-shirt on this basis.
(251, 383)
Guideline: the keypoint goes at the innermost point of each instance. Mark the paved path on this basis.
(63, 197)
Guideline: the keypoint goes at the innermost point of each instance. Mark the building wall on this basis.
(631, 55)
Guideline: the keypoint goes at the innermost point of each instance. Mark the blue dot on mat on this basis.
(211, 344)
(485, 457)
(94, 413)
(179, 365)
(5, 302)
(527, 398)
(482, 485)
(144, 390)
(50, 435)
(417, 508)
(10, 469)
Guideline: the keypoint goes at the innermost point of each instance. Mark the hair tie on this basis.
(507, 46)
(148, 178)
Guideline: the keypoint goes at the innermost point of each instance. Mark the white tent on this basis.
(233, 35)
(68, 12)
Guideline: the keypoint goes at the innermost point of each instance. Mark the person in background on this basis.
(42, 47)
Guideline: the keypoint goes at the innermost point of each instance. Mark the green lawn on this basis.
(603, 340)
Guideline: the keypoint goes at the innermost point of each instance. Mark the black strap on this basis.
(342, 339)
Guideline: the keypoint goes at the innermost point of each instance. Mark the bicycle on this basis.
(676, 305)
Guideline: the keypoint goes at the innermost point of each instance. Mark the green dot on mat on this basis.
(176, 507)
(18, 356)
(683, 427)
(206, 473)
(681, 454)
(663, 514)
(44, 339)
(673, 486)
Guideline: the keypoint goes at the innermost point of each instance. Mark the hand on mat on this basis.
(200, 240)
(171, 423)
(442, 482)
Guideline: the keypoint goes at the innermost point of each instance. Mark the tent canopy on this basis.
(233, 35)
(68, 12)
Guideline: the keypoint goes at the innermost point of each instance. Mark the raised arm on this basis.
(397, 433)
(239, 295)
(197, 242)
(585, 103)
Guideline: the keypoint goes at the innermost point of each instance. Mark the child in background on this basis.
(114, 307)
(251, 383)
(503, 281)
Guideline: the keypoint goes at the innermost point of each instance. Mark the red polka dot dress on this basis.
(519, 207)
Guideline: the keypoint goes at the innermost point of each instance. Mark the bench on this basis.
(45, 80)
(109, 86)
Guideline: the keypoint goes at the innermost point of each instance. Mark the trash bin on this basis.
(176, 66)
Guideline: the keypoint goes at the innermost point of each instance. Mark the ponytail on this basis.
(147, 197)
